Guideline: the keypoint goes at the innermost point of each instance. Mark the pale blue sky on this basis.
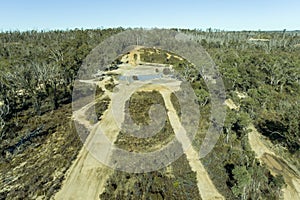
(201, 14)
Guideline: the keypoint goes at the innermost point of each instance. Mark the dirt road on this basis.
(206, 187)
(276, 165)
(87, 176)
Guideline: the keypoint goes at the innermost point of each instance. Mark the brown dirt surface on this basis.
(276, 164)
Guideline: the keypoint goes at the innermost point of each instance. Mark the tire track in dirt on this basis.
(206, 187)
(87, 176)
(276, 165)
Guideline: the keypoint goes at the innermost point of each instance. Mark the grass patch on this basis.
(111, 85)
(99, 92)
(101, 106)
(161, 56)
(179, 183)
(139, 105)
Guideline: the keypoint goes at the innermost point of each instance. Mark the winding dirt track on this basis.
(276, 165)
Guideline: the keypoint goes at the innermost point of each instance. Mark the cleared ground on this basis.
(87, 177)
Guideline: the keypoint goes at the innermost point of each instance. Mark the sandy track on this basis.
(85, 180)
(276, 165)
(206, 188)
(87, 177)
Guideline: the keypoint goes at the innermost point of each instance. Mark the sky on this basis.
(193, 14)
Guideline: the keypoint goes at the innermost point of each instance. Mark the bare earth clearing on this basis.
(87, 177)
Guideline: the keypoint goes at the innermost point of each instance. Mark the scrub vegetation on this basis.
(38, 139)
